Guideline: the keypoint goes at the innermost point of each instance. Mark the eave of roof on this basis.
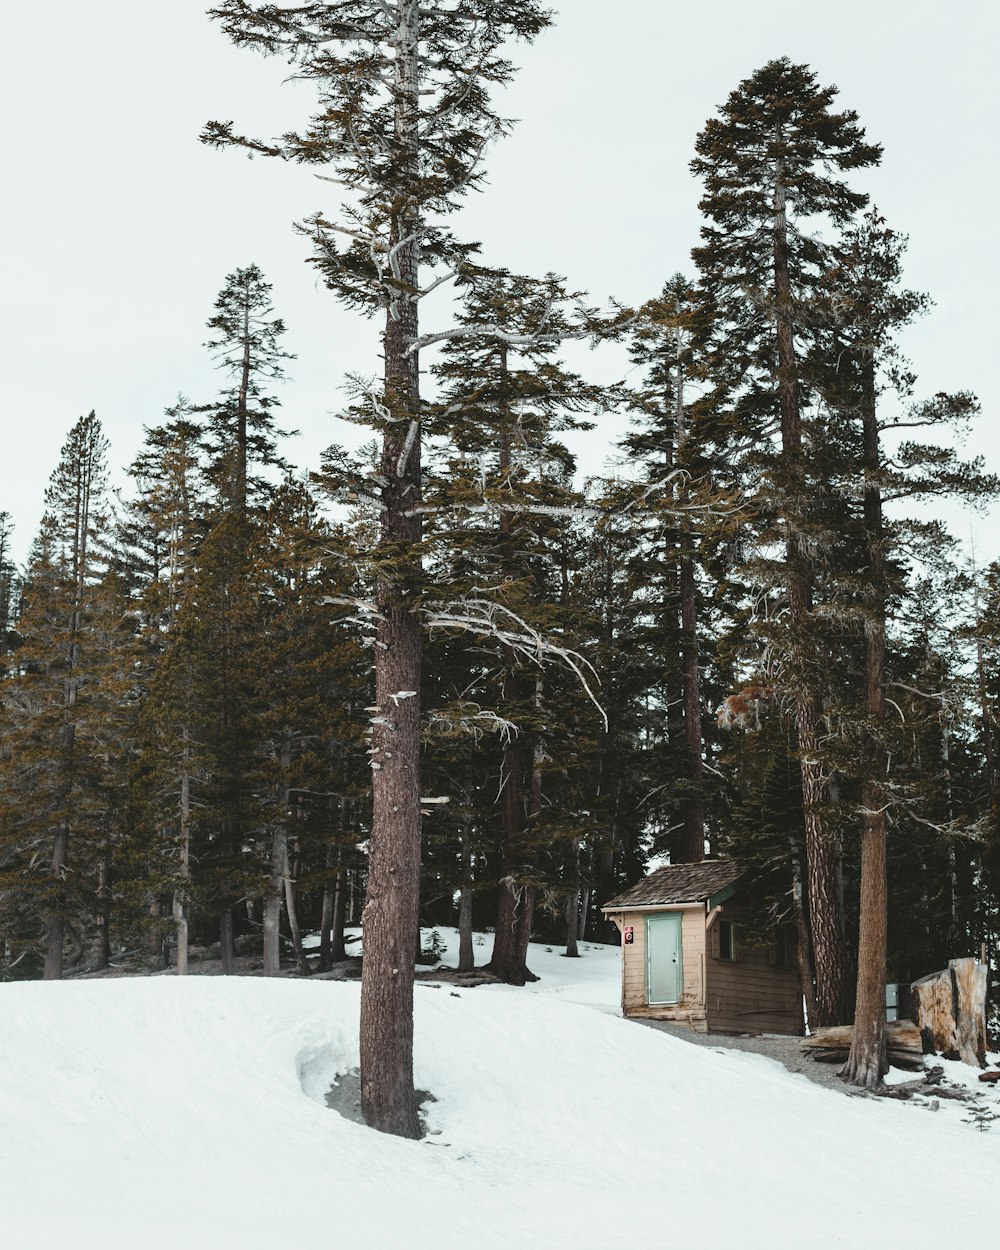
(679, 884)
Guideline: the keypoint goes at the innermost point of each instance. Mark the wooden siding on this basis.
(750, 994)
(691, 1008)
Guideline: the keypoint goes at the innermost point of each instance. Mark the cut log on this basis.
(902, 1039)
(990, 1077)
(949, 1008)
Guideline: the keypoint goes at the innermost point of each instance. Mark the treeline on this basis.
(754, 639)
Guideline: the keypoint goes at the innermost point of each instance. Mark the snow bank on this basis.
(164, 1112)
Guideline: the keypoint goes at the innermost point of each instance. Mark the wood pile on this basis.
(902, 1039)
(950, 1010)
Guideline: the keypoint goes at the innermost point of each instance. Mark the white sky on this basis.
(117, 227)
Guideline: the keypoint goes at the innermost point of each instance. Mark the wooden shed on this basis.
(688, 956)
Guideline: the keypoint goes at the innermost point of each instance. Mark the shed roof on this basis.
(679, 883)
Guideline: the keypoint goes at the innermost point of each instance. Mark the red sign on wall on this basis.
(628, 935)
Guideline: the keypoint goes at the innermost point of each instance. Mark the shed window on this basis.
(727, 939)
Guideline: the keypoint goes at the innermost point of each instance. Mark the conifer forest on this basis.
(442, 676)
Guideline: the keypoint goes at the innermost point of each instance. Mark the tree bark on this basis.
(507, 960)
(829, 951)
(390, 917)
(868, 1063)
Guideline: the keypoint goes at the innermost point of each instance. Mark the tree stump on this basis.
(949, 1009)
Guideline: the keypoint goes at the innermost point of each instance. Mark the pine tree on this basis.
(779, 149)
(404, 118)
(161, 531)
(54, 746)
(501, 507)
(242, 428)
(309, 715)
(871, 308)
(657, 446)
(166, 519)
(867, 305)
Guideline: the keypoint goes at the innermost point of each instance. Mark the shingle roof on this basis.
(679, 883)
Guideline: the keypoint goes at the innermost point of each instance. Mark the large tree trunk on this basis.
(514, 915)
(390, 918)
(867, 1062)
(508, 960)
(822, 879)
(516, 906)
(829, 951)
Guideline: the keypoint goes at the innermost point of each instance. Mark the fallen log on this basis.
(949, 1008)
(955, 1092)
(902, 1039)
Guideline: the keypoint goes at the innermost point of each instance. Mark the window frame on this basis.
(728, 950)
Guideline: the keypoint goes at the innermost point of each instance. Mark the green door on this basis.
(663, 958)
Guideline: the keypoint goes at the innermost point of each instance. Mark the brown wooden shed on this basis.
(688, 956)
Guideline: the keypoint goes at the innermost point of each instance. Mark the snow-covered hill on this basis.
(146, 1113)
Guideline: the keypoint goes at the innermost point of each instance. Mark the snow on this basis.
(159, 1112)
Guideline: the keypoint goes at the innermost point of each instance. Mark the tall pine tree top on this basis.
(778, 129)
